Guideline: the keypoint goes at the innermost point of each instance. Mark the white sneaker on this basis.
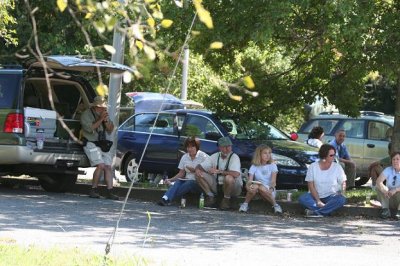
(277, 209)
(244, 207)
(312, 214)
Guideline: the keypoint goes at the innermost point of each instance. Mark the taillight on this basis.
(14, 123)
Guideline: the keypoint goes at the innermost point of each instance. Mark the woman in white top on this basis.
(389, 194)
(262, 179)
(184, 181)
(315, 137)
(326, 184)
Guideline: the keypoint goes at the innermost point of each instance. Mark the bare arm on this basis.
(379, 185)
(180, 174)
(273, 180)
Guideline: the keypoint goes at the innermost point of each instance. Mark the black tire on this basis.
(130, 169)
(361, 181)
(60, 183)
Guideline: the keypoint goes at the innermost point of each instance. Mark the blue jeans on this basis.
(332, 203)
(180, 188)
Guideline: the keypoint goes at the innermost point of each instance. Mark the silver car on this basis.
(367, 136)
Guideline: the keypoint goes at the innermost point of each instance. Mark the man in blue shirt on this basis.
(344, 157)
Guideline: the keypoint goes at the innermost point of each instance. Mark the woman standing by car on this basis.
(262, 179)
(389, 194)
(315, 137)
(185, 179)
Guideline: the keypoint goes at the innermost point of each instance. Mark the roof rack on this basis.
(11, 67)
(329, 113)
(371, 113)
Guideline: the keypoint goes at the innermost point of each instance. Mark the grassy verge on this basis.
(353, 196)
(12, 254)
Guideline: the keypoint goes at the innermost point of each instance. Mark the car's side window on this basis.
(129, 124)
(354, 128)
(327, 124)
(165, 124)
(201, 127)
(377, 130)
(145, 123)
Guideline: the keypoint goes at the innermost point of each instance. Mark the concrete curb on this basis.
(256, 206)
(155, 194)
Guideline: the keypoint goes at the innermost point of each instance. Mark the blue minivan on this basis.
(164, 134)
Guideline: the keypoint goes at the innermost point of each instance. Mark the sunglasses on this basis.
(332, 155)
(394, 181)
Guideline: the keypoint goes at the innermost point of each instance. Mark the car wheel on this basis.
(131, 169)
(60, 183)
(361, 181)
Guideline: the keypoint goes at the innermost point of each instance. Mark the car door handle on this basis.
(371, 145)
(129, 137)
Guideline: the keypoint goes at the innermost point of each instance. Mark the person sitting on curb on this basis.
(95, 121)
(315, 137)
(389, 194)
(344, 158)
(376, 168)
(326, 185)
(221, 168)
(262, 179)
(185, 180)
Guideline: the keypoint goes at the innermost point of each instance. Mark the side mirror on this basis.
(294, 136)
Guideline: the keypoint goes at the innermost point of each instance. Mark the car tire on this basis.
(60, 184)
(130, 170)
(361, 181)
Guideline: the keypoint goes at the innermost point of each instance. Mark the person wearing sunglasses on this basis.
(389, 194)
(326, 184)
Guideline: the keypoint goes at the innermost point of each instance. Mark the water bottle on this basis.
(165, 176)
(183, 202)
(201, 201)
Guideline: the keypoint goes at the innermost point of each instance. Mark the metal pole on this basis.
(114, 96)
(185, 72)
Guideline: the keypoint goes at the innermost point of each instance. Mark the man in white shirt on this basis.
(222, 168)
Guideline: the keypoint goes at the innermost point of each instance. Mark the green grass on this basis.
(12, 254)
(353, 196)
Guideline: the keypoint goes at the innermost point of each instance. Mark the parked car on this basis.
(367, 136)
(33, 140)
(162, 136)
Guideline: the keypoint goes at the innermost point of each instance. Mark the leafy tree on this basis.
(7, 33)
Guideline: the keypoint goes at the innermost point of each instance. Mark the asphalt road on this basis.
(193, 237)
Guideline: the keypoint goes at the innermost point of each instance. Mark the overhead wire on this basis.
(111, 238)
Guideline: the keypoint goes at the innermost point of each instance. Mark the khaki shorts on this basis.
(212, 182)
(96, 156)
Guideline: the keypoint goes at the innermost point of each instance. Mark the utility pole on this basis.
(185, 72)
(114, 96)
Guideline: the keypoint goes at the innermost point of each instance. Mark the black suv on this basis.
(35, 139)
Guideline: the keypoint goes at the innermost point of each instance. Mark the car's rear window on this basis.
(9, 84)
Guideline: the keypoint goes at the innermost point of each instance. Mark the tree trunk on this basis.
(396, 129)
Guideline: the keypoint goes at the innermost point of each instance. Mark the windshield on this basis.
(252, 130)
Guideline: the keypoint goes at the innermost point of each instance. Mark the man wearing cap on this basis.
(95, 121)
(221, 168)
